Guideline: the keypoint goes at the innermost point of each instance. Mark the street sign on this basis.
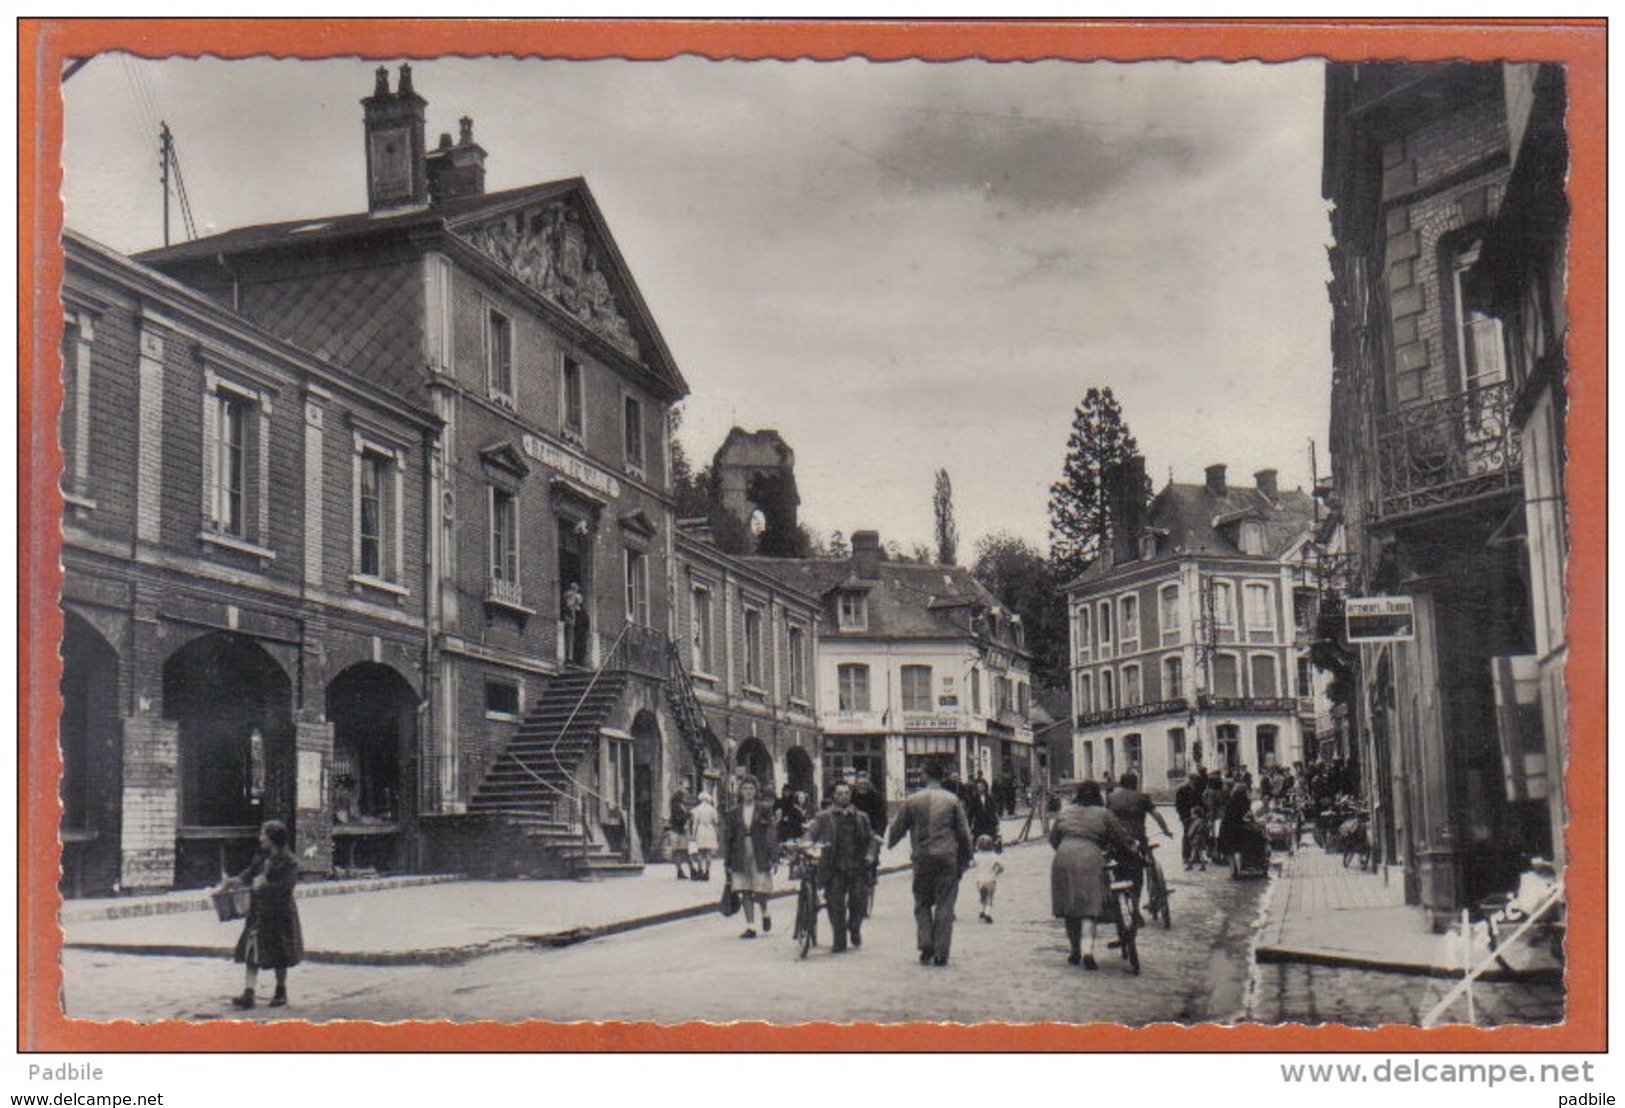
(1380, 618)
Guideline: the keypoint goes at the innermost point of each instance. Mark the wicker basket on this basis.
(231, 902)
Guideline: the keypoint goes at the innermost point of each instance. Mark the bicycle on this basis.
(1157, 892)
(804, 868)
(1124, 913)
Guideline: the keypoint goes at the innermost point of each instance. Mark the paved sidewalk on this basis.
(407, 921)
(1323, 913)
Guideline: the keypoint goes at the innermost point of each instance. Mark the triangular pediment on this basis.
(554, 242)
(505, 457)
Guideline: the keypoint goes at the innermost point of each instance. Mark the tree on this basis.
(837, 545)
(947, 533)
(1078, 513)
(1017, 573)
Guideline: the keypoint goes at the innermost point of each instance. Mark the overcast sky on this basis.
(900, 266)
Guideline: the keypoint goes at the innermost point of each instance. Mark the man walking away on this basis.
(941, 846)
(1186, 798)
(843, 866)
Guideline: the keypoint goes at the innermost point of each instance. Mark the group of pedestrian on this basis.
(692, 834)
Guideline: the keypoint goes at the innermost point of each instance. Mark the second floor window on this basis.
(1082, 633)
(1224, 606)
(975, 692)
(797, 643)
(377, 513)
(1257, 600)
(1263, 676)
(1130, 606)
(1108, 690)
(917, 688)
(1168, 613)
(1131, 686)
(702, 631)
(571, 403)
(1086, 698)
(853, 688)
(235, 466)
(1226, 678)
(754, 668)
(637, 587)
(634, 433)
(230, 511)
(1173, 678)
(498, 355)
(504, 538)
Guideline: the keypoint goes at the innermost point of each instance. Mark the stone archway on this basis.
(373, 711)
(233, 705)
(89, 735)
(798, 768)
(753, 755)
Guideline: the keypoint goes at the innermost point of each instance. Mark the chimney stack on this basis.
(866, 554)
(1265, 479)
(1125, 507)
(393, 123)
(1215, 480)
(457, 171)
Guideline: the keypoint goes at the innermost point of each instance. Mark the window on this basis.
(1224, 606)
(1251, 537)
(377, 518)
(1168, 613)
(1148, 545)
(1266, 745)
(1305, 609)
(1108, 690)
(1022, 703)
(1001, 696)
(853, 688)
(571, 404)
(976, 692)
(797, 642)
(1257, 600)
(1480, 342)
(78, 331)
(1086, 694)
(505, 546)
(1130, 622)
(1306, 677)
(236, 467)
(501, 698)
(637, 587)
(633, 424)
(1131, 686)
(917, 689)
(1131, 754)
(1226, 675)
(1173, 678)
(1262, 672)
(1082, 632)
(1088, 759)
(1103, 625)
(852, 611)
(754, 675)
(498, 356)
(1177, 766)
(1111, 756)
(703, 660)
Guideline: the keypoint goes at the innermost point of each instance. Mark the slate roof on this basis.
(333, 234)
(1191, 521)
(906, 600)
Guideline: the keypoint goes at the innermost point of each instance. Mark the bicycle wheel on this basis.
(1126, 945)
(1159, 906)
(869, 895)
(806, 933)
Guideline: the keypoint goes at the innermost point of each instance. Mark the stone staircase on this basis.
(530, 784)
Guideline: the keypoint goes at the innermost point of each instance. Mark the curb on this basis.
(431, 956)
(1279, 955)
(172, 904)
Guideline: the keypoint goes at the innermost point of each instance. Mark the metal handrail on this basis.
(1553, 898)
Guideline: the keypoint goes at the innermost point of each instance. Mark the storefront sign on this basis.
(571, 466)
(1380, 618)
(930, 723)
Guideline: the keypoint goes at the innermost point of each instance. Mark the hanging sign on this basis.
(1380, 618)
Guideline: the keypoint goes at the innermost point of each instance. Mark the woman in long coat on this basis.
(749, 842)
(1082, 834)
(271, 937)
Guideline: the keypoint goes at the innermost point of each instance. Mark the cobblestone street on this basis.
(699, 969)
(1310, 994)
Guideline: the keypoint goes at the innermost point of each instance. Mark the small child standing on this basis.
(988, 869)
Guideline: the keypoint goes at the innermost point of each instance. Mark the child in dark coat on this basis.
(271, 937)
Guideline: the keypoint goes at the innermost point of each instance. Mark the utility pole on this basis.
(166, 153)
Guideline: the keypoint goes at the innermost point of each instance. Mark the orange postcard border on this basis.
(44, 46)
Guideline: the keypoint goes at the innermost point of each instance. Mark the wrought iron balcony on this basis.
(1134, 711)
(1450, 451)
(1272, 704)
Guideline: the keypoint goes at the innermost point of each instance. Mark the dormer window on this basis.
(1251, 537)
(852, 611)
(1148, 545)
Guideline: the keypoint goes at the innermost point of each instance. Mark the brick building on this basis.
(536, 552)
(750, 644)
(244, 591)
(1190, 634)
(1430, 470)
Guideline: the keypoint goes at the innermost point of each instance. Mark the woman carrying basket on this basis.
(271, 936)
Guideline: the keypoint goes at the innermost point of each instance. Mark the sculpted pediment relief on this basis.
(546, 247)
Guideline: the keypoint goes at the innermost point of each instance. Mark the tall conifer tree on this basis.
(1078, 513)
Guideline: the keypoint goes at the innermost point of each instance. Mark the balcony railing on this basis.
(1134, 711)
(1448, 451)
(636, 649)
(1272, 704)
